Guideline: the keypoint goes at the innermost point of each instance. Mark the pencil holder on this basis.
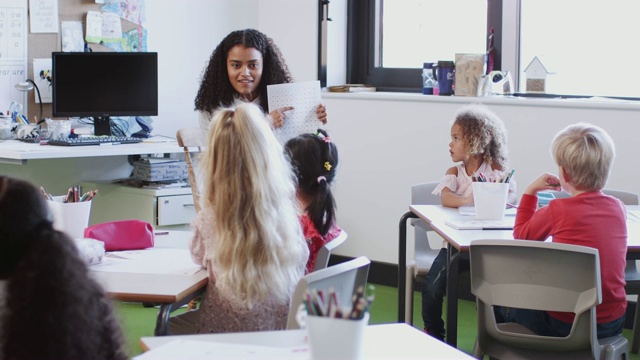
(490, 199)
(71, 218)
(334, 338)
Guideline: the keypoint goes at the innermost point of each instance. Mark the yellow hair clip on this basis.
(327, 166)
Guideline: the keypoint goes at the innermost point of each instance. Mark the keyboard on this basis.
(95, 140)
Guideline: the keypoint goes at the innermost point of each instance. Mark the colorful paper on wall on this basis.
(132, 10)
(42, 78)
(103, 28)
(135, 40)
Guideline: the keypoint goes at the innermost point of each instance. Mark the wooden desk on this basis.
(17, 152)
(390, 341)
(171, 291)
(458, 242)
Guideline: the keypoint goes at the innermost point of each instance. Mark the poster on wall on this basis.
(13, 52)
(42, 78)
(43, 16)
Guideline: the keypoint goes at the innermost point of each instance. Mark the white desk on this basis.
(171, 290)
(384, 341)
(17, 152)
(458, 248)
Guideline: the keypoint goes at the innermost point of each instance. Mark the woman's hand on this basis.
(321, 113)
(544, 182)
(278, 115)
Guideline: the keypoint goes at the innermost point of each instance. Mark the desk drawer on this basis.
(175, 210)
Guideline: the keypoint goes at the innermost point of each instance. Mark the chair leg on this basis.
(477, 352)
(408, 299)
(635, 333)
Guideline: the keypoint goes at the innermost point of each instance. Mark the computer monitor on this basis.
(104, 84)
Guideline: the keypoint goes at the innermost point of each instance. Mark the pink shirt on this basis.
(590, 219)
(315, 240)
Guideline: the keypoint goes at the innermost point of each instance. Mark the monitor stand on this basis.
(102, 125)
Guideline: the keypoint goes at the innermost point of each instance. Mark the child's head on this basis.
(315, 160)
(586, 153)
(483, 134)
(250, 189)
(23, 211)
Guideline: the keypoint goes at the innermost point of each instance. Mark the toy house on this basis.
(536, 75)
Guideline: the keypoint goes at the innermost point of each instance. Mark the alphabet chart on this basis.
(13, 51)
(305, 98)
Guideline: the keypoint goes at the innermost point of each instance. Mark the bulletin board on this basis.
(41, 45)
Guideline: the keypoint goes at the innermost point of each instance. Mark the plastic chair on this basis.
(188, 139)
(345, 278)
(543, 276)
(424, 254)
(631, 272)
(322, 259)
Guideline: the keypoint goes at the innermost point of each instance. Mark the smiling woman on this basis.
(240, 68)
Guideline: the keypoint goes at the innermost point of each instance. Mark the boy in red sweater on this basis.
(584, 154)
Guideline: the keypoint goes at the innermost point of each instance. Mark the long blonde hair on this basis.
(259, 249)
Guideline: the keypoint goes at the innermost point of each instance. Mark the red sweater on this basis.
(315, 240)
(590, 219)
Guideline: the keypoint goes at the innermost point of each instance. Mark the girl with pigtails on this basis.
(314, 158)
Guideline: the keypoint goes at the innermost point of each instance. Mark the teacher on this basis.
(240, 68)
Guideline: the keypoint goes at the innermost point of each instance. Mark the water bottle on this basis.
(428, 79)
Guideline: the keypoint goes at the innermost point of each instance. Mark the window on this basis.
(581, 44)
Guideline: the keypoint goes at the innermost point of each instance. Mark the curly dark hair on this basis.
(484, 134)
(54, 309)
(215, 88)
(313, 156)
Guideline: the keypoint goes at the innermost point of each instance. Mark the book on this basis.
(476, 224)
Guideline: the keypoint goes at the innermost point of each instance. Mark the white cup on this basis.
(490, 199)
(29, 131)
(71, 218)
(334, 338)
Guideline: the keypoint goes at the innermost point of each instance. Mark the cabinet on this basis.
(170, 208)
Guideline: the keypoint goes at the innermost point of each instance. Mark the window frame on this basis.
(361, 47)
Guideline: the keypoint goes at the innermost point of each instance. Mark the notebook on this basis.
(475, 224)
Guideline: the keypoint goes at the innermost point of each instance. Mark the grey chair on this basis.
(418, 267)
(631, 271)
(345, 278)
(542, 276)
(322, 259)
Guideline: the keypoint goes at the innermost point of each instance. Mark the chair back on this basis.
(345, 278)
(535, 275)
(322, 259)
(628, 198)
(190, 139)
(424, 254)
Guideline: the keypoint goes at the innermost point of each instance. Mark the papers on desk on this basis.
(471, 211)
(149, 261)
(475, 224)
(205, 350)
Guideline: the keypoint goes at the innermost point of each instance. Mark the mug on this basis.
(28, 131)
(445, 75)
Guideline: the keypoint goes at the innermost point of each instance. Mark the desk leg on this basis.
(162, 322)
(453, 271)
(402, 264)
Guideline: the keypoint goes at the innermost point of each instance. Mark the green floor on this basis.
(139, 321)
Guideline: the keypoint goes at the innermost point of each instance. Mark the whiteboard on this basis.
(13, 51)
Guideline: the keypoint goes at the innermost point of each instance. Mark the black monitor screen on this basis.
(103, 84)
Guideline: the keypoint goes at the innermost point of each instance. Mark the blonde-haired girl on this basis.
(247, 233)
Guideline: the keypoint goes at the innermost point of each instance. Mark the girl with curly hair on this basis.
(247, 234)
(478, 145)
(240, 68)
(50, 308)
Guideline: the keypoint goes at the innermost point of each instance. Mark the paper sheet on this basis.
(305, 98)
(43, 16)
(42, 78)
(149, 261)
(192, 350)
